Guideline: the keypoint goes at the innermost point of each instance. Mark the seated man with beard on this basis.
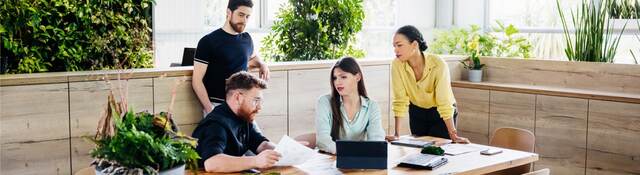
(228, 131)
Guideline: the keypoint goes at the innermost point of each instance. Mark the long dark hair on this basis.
(347, 64)
(413, 34)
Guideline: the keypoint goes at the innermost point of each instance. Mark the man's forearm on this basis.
(201, 93)
(223, 163)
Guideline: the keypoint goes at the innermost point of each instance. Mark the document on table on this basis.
(457, 149)
(293, 153)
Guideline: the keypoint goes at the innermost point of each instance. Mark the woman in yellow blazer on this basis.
(422, 88)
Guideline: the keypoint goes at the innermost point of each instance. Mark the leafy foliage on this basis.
(593, 39)
(315, 30)
(67, 35)
(140, 143)
(624, 9)
(502, 42)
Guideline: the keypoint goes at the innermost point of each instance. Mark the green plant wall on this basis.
(72, 35)
(315, 30)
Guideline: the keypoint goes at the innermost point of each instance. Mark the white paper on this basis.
(293, 153)
(457, 149)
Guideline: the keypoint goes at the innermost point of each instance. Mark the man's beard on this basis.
(247, 114)
(238, 27)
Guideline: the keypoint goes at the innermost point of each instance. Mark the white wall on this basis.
(468, 12)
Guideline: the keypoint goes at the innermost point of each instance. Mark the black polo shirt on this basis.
(225, 54)
(223, 132)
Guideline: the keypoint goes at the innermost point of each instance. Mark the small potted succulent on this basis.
(140, 143)
(473, 62)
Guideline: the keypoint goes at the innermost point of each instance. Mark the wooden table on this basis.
(467, 163)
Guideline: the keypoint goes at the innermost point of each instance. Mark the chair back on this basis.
(539, 172)
(308, 137)
(516, 139)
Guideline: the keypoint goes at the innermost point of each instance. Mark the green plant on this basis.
(434, 150)
(624, 9)
(502, 42)
(66, 35)
(132, 143)
(593, 39)
(473, 62)
(315, 30)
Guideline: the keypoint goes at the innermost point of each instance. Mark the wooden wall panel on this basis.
(377, 80)
(87, 102)
(272, 118)
(613, 144)
(473, 114)
(34, 113)
(186, 108)
(45, 157)
(305, 87)
(579, 75)
(561, 134)
(34, 127)
(508, 109)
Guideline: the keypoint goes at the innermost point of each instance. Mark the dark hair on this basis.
(244, 81)
(413, 34)
(234, 4)
(347, 64)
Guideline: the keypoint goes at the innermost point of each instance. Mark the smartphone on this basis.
(491, 152)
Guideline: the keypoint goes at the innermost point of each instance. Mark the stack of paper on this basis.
(457, 149)
(293, 153)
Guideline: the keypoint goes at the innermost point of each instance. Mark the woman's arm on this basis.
(400, 98)
(323, 125)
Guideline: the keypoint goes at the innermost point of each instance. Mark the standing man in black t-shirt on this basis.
(222, 53)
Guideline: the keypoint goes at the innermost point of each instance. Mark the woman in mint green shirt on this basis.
(347, 113)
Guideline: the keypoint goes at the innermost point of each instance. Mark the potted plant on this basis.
(140, 143)
(473, 62)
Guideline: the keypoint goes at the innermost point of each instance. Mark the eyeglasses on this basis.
(255, 101)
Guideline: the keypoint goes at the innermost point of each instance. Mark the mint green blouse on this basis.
(366, 125)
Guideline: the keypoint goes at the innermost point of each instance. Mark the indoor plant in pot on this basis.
(473, 62)
(140, 143)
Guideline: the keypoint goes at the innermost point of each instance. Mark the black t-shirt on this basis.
(225, 54)
(223, 132)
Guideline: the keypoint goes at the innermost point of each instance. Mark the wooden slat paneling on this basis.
(621, 78)
(561, 134)
(613, 138)
(34, 113)
(46, 157)
(272, 118)
(473, 114)
(305, 87)
(87, 102)
(509, 109)
(376, 79)
(187, 109)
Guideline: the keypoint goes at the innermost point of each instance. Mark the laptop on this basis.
(423, 161)
(413, 143)
(187, 56)
(361, 154)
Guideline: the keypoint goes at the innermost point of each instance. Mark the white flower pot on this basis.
(179, 170)
(475, 75)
